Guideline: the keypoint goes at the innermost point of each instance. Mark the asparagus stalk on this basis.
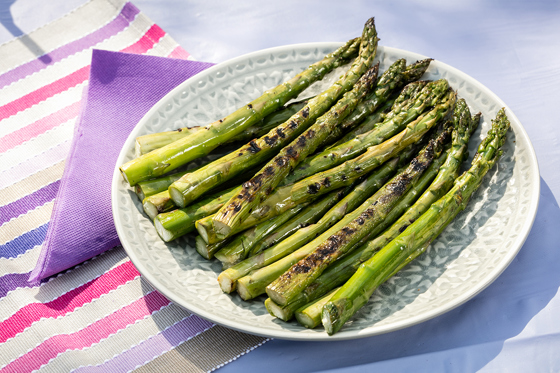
(343, 174)
(286, 287)
(336, 274)
(241, 245)
(252, 244)
(416, 238)
(280, 257)
(176, 223)
(168, 158)
(357, 82)
(404, 112)
(153, 141)
(148, 188)
(310, 314)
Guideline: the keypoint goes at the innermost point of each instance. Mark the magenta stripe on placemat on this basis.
(121, 21)
(29, 202)
(94, 333)
(68, 302)
(153, 347)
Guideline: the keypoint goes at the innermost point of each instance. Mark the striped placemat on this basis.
(100, 315)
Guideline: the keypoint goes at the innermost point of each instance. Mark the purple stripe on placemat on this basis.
(29, 202)
(121, 21)
(25, 242)
(153, 347)
(14, 281)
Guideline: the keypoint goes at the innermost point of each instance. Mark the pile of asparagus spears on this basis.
(320, 201)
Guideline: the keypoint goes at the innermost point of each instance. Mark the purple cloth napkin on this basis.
(122, 88)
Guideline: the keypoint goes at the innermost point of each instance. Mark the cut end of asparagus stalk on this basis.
(163, 233)
(202, 247)
(227, 283)
(124, 175)
(202, 230)
(277, 297)
(280, 312)
(222, 229)
(177, 196)
(150, 209)
(310, 314)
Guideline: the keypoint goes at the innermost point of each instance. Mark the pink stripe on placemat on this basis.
(179, 53)
(68, 302)
(146, 42)
(41, 94)
(90, 335)
(153, 347)
(151, 37)
(119, 23)
(38, 127)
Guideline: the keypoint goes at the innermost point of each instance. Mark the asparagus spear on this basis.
(416, 238)
(153, 141)
(255, 190)
(399, 117)
(252, 244)
(280, 257)
(148, 188)
(345, 267)
(286, 287)
(176, 223)
(168, 158)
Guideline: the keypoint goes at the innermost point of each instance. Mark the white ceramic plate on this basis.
(467, 257)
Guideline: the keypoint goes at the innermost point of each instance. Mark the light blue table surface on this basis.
(512, 47)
